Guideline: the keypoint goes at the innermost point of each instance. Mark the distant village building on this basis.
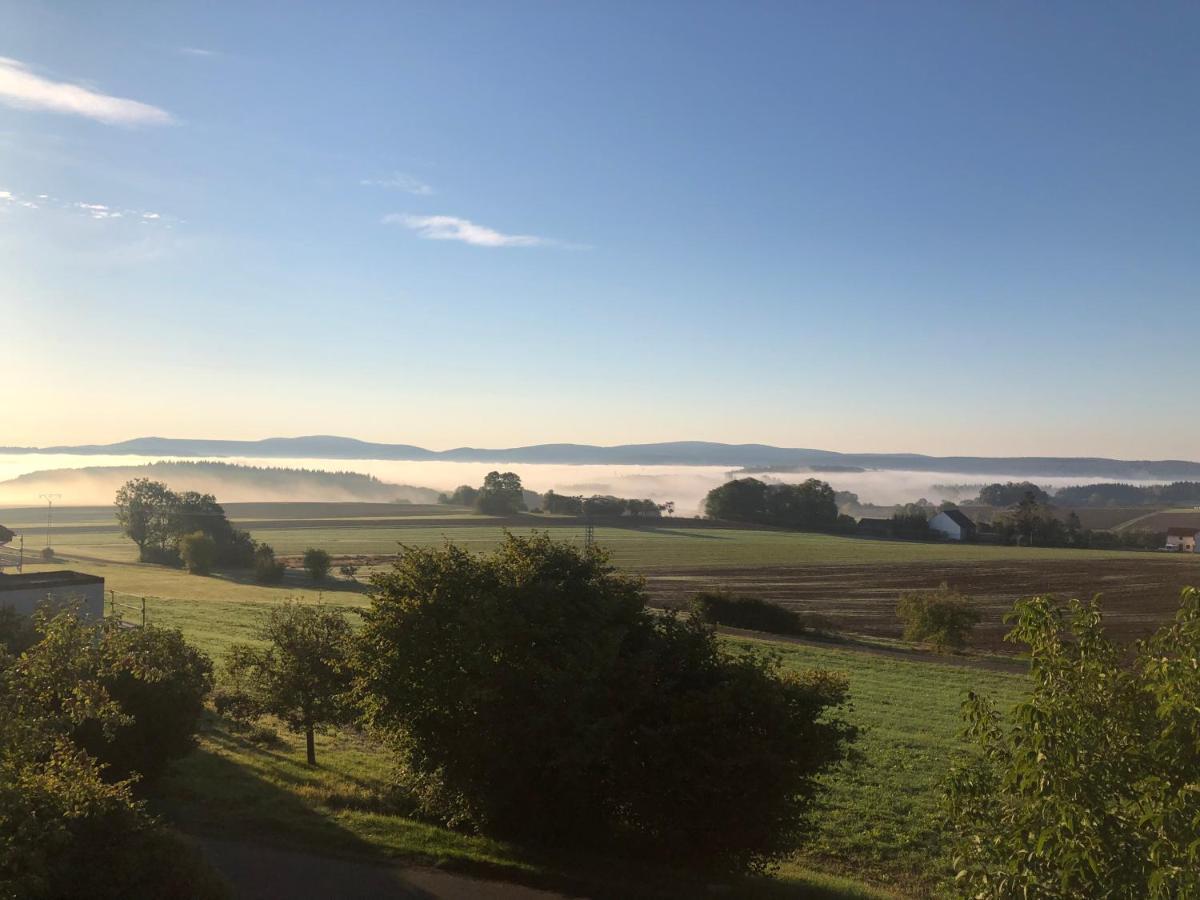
(1183, 540)
(24, 593)
(953, 525)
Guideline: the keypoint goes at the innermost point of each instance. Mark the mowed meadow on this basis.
(878, 825)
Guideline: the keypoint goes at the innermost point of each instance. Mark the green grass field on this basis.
(877, 822)
(346, 530)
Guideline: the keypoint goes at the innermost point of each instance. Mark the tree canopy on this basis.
(808, 506)
(501, 494)
(300, 675)
(157, 519)
(588, 717)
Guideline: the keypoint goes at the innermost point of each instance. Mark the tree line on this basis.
(808, 506)
(191, 529)
(1177, 493)
(502, 494)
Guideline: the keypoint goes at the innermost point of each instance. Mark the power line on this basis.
(49, 498)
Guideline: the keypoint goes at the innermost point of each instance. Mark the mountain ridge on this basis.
(678, 453)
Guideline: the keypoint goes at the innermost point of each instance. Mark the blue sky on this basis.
(949, 228)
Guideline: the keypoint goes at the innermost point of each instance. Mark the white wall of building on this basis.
(945, 525)
(90, 597)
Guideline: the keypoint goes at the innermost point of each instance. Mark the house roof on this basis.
(1179, 531)
(45, 581)
(958, 517)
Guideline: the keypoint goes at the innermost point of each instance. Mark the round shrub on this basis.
(589, 718)
(198, 552)
(160, 682)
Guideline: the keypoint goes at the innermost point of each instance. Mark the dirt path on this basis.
(260, 872)
(989, 664)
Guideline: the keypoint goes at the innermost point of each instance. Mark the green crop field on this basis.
(348, 530)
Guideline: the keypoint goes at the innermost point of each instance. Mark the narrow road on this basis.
(260, 872)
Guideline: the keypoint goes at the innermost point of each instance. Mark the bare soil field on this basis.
(1138, 595)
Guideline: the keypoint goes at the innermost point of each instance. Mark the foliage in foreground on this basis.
(942, 617)
(1093, 788)
(529, 693)
(66, 831)
(301, 675)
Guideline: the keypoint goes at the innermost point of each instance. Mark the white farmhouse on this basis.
(953, 525)
(1183, 540)
(24, 593)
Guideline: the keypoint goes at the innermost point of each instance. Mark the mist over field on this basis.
(85, 480)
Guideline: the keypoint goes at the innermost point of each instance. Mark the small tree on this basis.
(317, 563)
(349, 571)
(941, 617)
(300, 675)
(267, 570)
(198, 552)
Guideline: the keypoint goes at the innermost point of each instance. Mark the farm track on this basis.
(1138, 595)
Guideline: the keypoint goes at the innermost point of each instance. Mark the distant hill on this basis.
(679, 453)
(226, 481)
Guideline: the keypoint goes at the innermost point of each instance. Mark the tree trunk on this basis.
(312, 751)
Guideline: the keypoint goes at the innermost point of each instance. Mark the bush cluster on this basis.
(942, 617)
(724, 608)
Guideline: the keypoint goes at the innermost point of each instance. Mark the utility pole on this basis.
(49, 498)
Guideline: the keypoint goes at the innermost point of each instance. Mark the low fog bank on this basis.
(91, 480)
(96, 485)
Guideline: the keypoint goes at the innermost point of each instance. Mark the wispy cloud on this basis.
(22, 88)
(400, 182)
(452, 228)
(97, 211)
(198, 51)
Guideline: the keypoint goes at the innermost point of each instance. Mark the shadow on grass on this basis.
(217, 796)
(296, 581)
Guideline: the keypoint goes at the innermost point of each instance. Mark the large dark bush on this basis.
(724, 608)
(160, 682)
(530, 693)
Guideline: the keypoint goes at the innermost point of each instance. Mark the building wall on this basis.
(943, 524)
(25, 602)
(1184, 544)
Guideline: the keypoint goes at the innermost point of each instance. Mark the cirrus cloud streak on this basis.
(24, 89)
(453, 228)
